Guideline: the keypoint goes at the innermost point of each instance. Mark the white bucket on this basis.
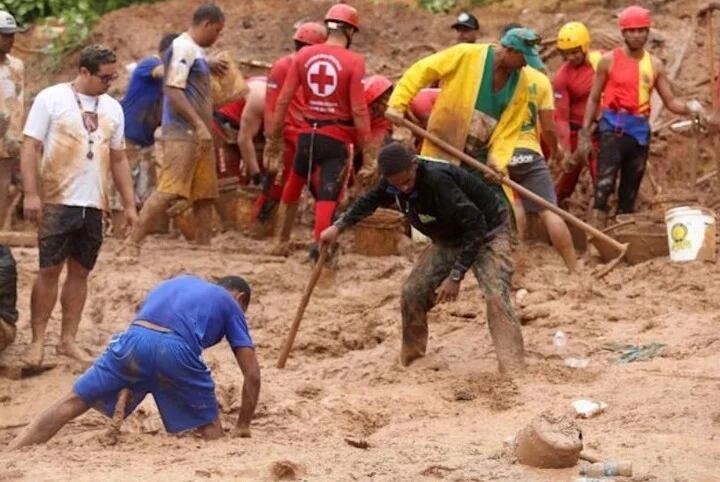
(691, 233)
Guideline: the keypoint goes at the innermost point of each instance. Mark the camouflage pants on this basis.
(493, 269)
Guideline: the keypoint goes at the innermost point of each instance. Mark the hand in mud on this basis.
(447, 291)
(329, 235)
(241, 432)
(32, 207)
(218, 67)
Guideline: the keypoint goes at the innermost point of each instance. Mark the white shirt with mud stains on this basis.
(12, 109)
(67, 176)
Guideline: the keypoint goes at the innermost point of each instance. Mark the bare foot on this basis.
(34, 354)
(70, 349)
(282, 248)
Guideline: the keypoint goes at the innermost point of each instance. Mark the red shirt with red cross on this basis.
(330, 79)
(275, 81)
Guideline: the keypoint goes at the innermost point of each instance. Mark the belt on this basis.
(329, 122)
(151, 326)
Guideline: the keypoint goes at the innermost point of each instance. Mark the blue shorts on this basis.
(148, 361)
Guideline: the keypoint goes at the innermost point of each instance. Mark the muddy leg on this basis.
(560, 237)
(72, 300)
(6, 166)
(418, 297)
(493, 270)
(203, 209)
(50, 421)
(42, 302)
(154, 207)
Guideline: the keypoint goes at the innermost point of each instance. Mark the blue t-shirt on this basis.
(202, 313)
(142, 103)
(186, 68)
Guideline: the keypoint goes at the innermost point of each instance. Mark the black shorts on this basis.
(70, 232)
(529, 169)
(329, 165)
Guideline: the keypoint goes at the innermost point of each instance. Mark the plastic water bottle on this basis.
(604, 469)
(560, 342)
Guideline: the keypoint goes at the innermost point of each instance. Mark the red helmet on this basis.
(344, 13)
(634, 17)
(375, 87)
(311, 33)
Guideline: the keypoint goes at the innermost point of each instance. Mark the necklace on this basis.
(89, 120)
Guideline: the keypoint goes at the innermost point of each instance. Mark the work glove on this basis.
(273, 153)
(394, 115)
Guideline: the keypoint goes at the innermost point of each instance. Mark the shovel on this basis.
(596, 235)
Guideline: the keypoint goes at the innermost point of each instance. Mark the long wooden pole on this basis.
(454, 151)
(301, 309)
(450, 149)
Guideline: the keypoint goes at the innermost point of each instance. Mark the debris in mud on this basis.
(358, 444)
(285, 470)
(549, 441)
(438, 471)
(631, 353)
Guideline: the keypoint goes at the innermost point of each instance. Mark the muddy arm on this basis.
(247, 361)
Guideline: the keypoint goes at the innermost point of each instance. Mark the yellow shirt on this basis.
(459, 70)
(540, 97)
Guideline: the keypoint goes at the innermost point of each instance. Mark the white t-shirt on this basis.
(67, 176)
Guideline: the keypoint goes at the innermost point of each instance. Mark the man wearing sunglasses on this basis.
(74, 140)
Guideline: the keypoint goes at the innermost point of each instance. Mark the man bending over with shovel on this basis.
(161, 354)
(468, 226)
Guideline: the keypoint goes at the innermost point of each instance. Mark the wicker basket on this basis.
(378, 235)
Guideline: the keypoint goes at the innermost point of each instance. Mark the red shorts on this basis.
(565, 185)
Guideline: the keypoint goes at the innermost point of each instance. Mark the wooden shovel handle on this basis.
(301, 309)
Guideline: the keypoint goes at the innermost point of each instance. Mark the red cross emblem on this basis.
(322, 78)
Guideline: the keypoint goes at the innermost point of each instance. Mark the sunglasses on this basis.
(106, 79)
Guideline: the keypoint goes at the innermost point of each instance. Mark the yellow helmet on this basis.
(573, 35)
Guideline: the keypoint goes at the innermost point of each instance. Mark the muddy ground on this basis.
(445, 417)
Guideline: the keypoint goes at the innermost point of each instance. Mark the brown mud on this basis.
(447, 415)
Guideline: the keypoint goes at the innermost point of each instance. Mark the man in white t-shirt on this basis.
(74, 140)
(188, 170)
(12, 75)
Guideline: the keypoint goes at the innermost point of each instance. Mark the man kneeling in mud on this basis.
(161, 354)
(468, 226)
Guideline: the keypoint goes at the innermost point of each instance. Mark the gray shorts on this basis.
(529, 169)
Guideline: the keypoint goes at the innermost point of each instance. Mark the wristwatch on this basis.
(456, 275)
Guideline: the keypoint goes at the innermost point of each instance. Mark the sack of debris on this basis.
(231, 85)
